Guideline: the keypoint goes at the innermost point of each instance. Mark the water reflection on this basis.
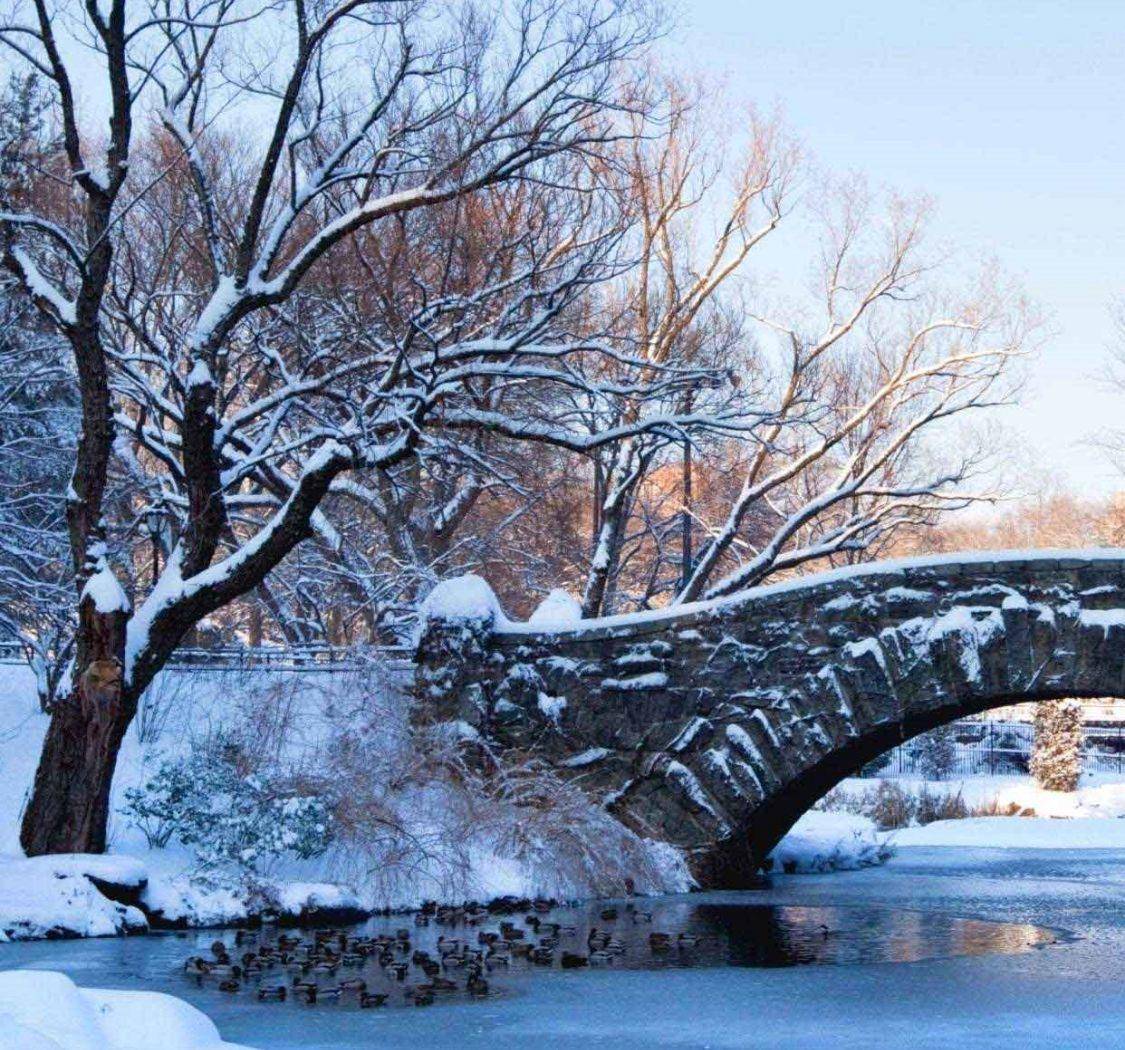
(701, 933)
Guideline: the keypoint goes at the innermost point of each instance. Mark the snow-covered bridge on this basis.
(716, 725)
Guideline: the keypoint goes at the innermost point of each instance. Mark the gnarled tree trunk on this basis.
(69, 805)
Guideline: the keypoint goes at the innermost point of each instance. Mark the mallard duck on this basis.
(276, 994)
(572, 961)
(330, 993)
(354, 984)
(609, 914)
(476, 985)
(367, 1000)
(229, 985)
(420, 998)
(687, 940)
(659, 942)
(595, 940)
(196, 966)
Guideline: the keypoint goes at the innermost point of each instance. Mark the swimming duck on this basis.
(229, 985)
(572, 960)
(367, 1000)
(272, 994)
(420, 998)
(687, 940)
(476, 985)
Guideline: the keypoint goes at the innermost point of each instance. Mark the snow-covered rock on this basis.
(43, 1010)
(822, 841)
(462, 599)
(53, 897)
(558, 609)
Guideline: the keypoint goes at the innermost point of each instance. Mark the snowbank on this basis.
(43, 1010)
(1102, 800)
(1018, 833)
(54, 897)
(821, 842)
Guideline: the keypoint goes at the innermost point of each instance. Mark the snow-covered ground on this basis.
(41, 1010)
(295, 713)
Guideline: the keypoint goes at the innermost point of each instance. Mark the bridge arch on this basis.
(716, 725)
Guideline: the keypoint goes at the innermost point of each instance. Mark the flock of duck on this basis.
(337, 966)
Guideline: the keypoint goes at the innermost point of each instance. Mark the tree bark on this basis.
(69, 806)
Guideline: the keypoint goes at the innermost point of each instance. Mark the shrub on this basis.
(1056, 761)
(240, 820)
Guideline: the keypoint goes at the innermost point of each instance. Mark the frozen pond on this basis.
(908, 950)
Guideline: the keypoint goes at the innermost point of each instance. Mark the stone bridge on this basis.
(715, 726)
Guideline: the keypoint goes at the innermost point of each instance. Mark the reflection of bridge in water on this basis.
(716, 725)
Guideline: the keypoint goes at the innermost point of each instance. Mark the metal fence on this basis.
(282, 658)
(995, 748)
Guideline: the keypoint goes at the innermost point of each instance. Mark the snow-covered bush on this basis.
(239, 819)
(1056, 758)
(935, 752)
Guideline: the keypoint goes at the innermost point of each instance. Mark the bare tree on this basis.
(212, 365)
(849, 457)
(670, 305)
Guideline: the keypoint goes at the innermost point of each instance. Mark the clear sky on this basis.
(1011, 113)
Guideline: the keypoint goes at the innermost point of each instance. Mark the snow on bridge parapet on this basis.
(715, 725)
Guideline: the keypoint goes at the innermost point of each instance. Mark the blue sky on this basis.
(1011, 114)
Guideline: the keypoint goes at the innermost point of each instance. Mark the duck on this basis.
(600, 958)
(335, 992)
(825, 932)
(609, 914)
(226, 970)
(276, 994)
(596, 941)
(229, 985)
(196, 966)
(354, 984)
(398, 970)
(543, 956)
(476, 985)
(420, 997)
(687, 940)
(659, 941)
(572, 961)
(368, 1000)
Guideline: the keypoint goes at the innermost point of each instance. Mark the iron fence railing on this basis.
(289, 658)
(995, 748)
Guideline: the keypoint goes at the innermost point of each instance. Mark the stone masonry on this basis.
(715, 726)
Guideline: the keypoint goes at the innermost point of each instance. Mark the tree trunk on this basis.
(69, 806)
